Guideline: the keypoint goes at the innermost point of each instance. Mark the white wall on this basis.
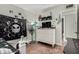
(4, 10)
(56, 14)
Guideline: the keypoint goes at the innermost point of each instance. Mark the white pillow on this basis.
(5, 51)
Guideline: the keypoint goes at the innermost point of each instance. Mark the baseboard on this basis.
(59, 44)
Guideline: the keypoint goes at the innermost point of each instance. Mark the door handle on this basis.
(77, 32)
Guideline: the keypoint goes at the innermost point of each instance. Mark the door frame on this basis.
(68, 12)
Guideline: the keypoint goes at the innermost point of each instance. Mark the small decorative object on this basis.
(10, 11)
(15, 28)
(15, 20)
(44, 18)
(31, 30)
(69, 6)
(59, 19)
(49, 18)
(22, 17)
(56, 19)
(8, 22)
(50, 13)
(39, 17)
(22, 46)
(16, 16)
(21, 24)
(19, 13)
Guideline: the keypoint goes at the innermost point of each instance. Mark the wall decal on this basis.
(22, 17)
(16, 16)
(10, 11)
(12, 28)
(19, 13)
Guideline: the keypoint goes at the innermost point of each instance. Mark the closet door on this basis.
(71, 25)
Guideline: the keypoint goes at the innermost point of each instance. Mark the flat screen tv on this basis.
(46, 24)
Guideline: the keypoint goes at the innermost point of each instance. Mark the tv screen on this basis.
(46, 25)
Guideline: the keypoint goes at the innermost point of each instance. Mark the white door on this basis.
(70, 25)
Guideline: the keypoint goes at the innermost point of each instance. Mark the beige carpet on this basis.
(40, 48)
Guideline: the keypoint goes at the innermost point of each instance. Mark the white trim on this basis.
(60, 44)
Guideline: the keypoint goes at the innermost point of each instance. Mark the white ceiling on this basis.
(34, 8)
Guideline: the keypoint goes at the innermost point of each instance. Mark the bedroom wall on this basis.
(56, 13)
(5, 8)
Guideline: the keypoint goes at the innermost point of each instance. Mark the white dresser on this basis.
(46, 35)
